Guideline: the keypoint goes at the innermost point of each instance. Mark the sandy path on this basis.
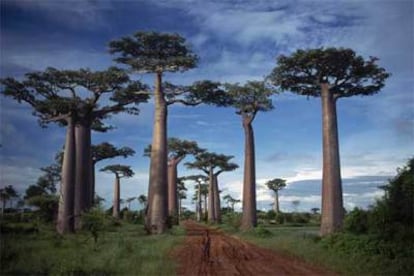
(230, 256)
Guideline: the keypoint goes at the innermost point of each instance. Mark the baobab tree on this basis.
(231, 201)
(331, 74)
(105, 151)
(181, 194)
(276, 185)
(248, 100)
(142, 199)
(199, 179)
(7, 194)
(120, 171)
(151, 52)
(56, 96)
(177, 150)
(213, 165)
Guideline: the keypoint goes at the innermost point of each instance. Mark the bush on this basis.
(233, 220)
(356, 221)
(93, 222)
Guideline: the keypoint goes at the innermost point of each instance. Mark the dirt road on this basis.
(210, 252)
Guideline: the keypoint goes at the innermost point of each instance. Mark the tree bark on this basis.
(205, 208)
(92, 194)
(249, 219)
(211, 198)
(217, 205)
(199, 210)
(332, 206)
(156, 221)
(83, 167)
(65, 220)
(117, 195)
(172, 191)
(277, 209)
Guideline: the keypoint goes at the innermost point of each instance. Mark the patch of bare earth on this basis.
(210, 252)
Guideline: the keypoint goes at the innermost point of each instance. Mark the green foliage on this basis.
(125, 250)
(356, 221)
(206, 160)
(232, 220)
(119, 170)
(106, 150)
(93, 221)
(154, 52)
(276, 184)
(347, 73)
(47, 206)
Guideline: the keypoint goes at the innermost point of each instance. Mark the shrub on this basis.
(356, 221)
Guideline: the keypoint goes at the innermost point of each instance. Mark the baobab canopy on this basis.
(347, 73)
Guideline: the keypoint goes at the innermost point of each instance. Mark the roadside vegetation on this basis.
(105, 246)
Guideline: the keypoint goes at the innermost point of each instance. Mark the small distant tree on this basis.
(120, 171)
(7, 194)
(142, 199)
(181, 194)
(276, 185)
(315, 210)
(248, 100)
(199, 179)
(213, 165)
(177, 150)
(231, 201)
(330, 74)
(105, 151)
(295, 204)
(129, 200)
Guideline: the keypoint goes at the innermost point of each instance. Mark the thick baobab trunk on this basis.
(332, 206)
(65, 220)
(217, 207)
(211, 199)
(156, 220)
(83, 168)
(172, 191)
(199, 210)
(249, 219)
(117, 195)
(277, 209)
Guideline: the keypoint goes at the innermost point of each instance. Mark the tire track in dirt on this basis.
(208, 251)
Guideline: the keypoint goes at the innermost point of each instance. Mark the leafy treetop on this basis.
(207, 160)
(120, 171)
(106, 150)
(55, 94)
(177, 148)
(347, 73)
(250, 98)
(276, 184)
(154, 52)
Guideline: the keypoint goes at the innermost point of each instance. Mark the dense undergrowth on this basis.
(111, 248)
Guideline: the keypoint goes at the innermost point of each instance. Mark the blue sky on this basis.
(236, 41)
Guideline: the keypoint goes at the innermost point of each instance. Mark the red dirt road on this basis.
(220, 254)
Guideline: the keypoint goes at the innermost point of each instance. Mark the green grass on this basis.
(343, 253)
(122, 250)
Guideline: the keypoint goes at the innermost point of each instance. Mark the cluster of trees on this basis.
(55, 97)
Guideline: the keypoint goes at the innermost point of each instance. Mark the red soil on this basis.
(210, 252)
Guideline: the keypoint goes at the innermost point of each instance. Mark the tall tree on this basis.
(248, 100)
(6, 194)
(331, 74)
(181, 194)
(56, 96)
(151, 52)
(104, 151)
(231, 201)
(120, 171)
(276, 185)
(177, 150)
(213, 165)
(199, 179)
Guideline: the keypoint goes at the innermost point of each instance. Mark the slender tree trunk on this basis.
(217, 205)
(92, 194)
(249, 219)
(199, 210)
(83, 158)
(277, 209)
(117, 195)
(332, 206)
(65, 220)
(205, 208)
(211, 198)
(156, 221)
(172, 191)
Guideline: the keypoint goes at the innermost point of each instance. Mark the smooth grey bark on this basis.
(117, 195)
(172, 189)
(249, 219)
(217, 207)
(211, 198)
(277, 210)
(156, 220)
(199, 210)
(332, 205)
(65, 220)
(82, 184)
